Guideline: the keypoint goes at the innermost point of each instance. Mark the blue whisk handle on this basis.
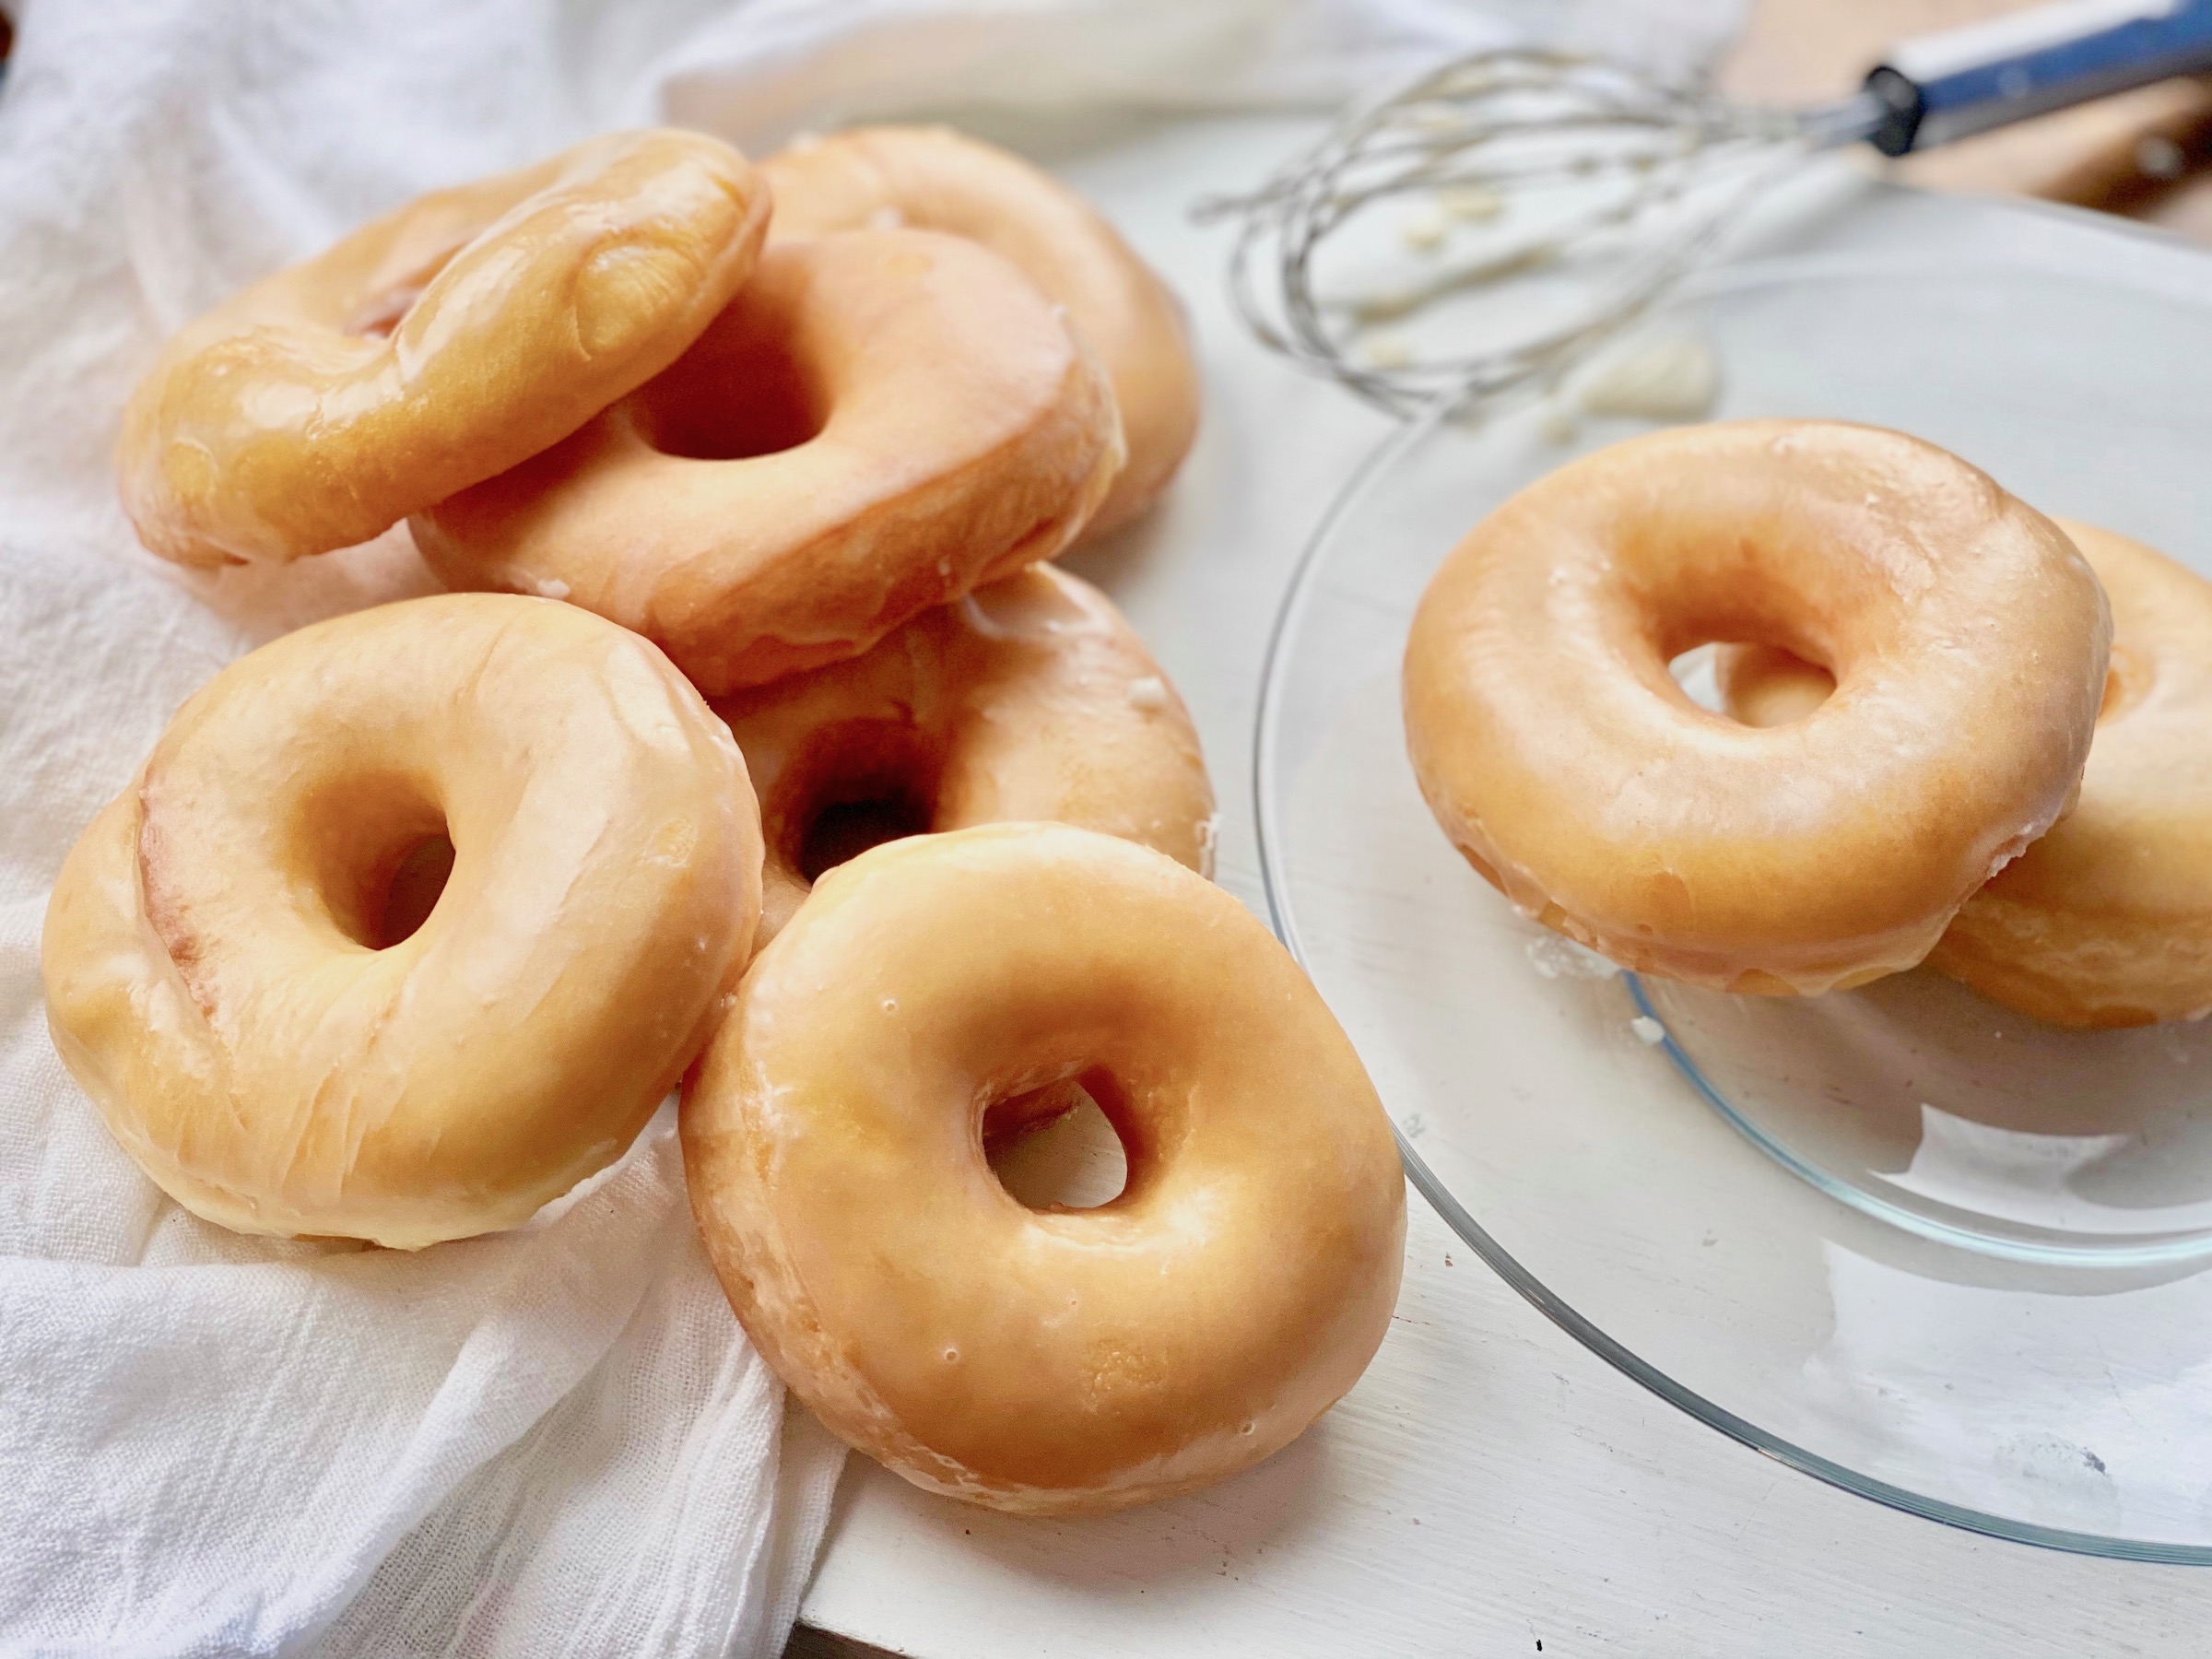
(1967, 80)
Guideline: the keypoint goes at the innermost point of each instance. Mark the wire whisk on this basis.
(1555, 197)
(1563, 172)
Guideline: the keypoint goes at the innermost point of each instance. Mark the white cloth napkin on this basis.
(556, 1441)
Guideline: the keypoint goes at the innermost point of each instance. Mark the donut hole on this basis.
(862, 783)
(737, 393)
(412, 892)
(379, 856)
(1696, 671)
(383, 313)
(1056, 1148)
(842, 831)
(400, 284)
(1754, 683)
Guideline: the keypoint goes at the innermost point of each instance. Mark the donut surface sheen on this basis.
(213, 973)
(1967, 637)
(880, 421)
(2107, 920)
(435, 348)
(1030, 698)
(938, 180)
(1044, 1360)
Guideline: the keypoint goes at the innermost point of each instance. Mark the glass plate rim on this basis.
(1290, 611)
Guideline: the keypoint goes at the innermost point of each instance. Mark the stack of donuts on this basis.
(760, 748)
(1955, 731)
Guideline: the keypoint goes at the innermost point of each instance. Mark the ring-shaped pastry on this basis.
(437, 346)
(1055, 1360)
(938, 180)
(2107, 920)
(227, 979)
(879, 422)
(1967, 637)
(1030, 698)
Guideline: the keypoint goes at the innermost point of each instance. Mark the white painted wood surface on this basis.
(1491, 1488)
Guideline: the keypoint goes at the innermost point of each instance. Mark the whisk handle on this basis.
(1947, 86)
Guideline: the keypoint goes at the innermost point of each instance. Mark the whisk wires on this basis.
(1556, 198)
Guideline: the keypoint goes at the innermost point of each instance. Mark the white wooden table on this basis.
(1491, 1488)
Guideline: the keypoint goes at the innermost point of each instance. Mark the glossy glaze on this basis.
(1967, 636)
(937, 180)
(1030, 698)
(881, 421)
(434, 347)
(213, 970)
(2107, 920)
(1045, 1362)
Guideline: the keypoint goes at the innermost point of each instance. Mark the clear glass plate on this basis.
(1899, 1238)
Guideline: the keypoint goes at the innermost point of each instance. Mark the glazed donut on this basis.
(1028, 698)
(2107, 920)
(1056, 1360)
(228, 980)
(879, 422)
(937, 180)
(1967, 636)
(441, 344)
